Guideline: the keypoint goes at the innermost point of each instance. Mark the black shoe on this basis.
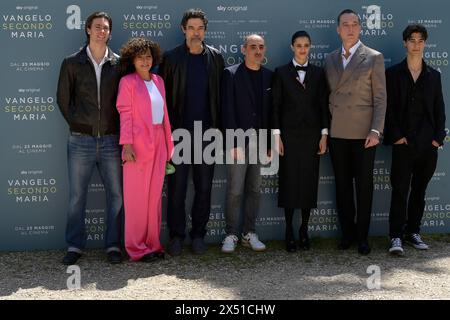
(175, 247)
(160, 255)
(71, 258)
(304, 243)
(290, 243)
(149, 257)
(114, 257)
(198, 246)
(363, 248)
(344, 244)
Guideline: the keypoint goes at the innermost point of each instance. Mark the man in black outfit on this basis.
(246, 104)
(415, 127)
(191, 73)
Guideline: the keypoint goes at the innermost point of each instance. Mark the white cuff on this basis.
(324, 131)
(276, 131)
(377, 132)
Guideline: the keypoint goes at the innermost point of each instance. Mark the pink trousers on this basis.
(142, 189)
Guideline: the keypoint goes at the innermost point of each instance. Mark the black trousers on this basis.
(203, 175)
(353, 171)
(411, 171)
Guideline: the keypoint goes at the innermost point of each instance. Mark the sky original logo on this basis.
(222, 8)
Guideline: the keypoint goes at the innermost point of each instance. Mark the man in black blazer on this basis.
(246, 105)
(415, 127)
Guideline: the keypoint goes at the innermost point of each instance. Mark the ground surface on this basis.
(322, 273)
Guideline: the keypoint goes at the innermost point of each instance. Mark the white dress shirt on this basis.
(301, 73)
(346, 61)
(98, 69)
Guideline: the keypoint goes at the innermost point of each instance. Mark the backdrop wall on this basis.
(37, 35)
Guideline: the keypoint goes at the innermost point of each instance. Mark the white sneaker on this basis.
(396, 246)
(229, 243)
(251, 240)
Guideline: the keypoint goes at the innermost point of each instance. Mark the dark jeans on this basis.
(353, 163)
(203, 175)
(411, 171)
(84, 154)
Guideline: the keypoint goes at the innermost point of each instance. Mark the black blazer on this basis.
(295, 105)
(397, 102)
(238, 101)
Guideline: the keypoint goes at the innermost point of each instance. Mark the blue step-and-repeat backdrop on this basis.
(36, 35)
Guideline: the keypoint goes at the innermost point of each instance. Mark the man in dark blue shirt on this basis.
(191, 73)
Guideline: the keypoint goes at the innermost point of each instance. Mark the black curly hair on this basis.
(134, 47)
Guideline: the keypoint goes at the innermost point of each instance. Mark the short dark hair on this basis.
(194, 14)
(134, 47)
(347, 11)
(415, 28)
(300, 34)
(90, 19)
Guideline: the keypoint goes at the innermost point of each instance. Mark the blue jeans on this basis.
(84, 152)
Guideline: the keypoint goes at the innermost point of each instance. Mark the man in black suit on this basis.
(246, 105)
(415, 126)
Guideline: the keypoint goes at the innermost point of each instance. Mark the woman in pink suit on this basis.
(147, 145)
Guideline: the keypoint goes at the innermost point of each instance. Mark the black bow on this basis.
(302, 68)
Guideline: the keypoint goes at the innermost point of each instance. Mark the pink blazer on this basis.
(136, 123)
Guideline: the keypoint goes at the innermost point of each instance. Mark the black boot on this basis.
(291, 246)
(304, 243)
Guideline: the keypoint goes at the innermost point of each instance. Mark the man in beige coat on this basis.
(357, 102)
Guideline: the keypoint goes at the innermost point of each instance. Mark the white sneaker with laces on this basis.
(396, 246)
(251, 240)
(229, 243)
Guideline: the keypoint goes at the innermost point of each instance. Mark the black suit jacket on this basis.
(295, 106)
(433, 127)
(238, 102)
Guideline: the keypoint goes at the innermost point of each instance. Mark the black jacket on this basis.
(77, 94)
(173, 71)
(433, 126)
(295, 107)
(238, 102)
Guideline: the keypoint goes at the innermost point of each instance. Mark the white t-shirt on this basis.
(157, 102)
